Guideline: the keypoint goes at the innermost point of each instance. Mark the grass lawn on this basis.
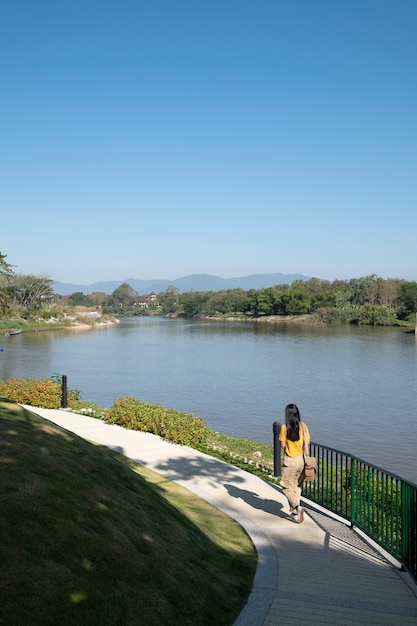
(89, 537)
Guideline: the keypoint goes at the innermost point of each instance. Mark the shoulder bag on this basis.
(310, 463)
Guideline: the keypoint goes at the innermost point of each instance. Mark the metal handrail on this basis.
(381, 504)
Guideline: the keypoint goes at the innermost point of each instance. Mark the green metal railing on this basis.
(381, 504)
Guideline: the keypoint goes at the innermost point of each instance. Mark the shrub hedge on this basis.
(35, 392)
(182, 428)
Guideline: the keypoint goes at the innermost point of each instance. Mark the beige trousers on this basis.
(292, 477)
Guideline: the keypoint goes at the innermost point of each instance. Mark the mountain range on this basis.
(192, 282)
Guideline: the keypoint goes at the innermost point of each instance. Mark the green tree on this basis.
(77, 297)
(26, 290)
(218, 303)
(295, 302)
(5, 268)
(236, 301)
(168, 300)
(6, 272)
(407, 299)
(97, 298)
(364, 289)
(264, 302)
(323, 299)
(341, 292)
(376, 315)
(252, 298)
(194, 303)
(388, 291)
(124, 295)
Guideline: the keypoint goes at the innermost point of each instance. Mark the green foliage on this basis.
(182, 428)
(77, 298)
(295, 302)
(124, 295)
(376, 315)
(324, 299)
(6, 272)
(377, 505)
(407, 299)
(29, 291)
(369, 300)
(35, 392)
(195, 303)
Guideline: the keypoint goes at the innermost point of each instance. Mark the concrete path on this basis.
(318, 572)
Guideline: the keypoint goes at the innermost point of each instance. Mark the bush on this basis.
(182, 428)
(376, 315)
(34, 392)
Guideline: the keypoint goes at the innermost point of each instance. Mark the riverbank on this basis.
(76, 321)
(310, 319)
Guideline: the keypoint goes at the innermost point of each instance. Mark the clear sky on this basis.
(159, 138)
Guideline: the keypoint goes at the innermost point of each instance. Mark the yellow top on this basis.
(294, 448)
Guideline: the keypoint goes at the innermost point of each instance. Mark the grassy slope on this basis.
(88, 537)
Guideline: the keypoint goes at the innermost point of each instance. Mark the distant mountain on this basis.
(193, 282)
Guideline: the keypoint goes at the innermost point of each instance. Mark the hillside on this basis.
(89, 537)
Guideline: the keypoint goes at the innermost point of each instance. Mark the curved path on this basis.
(318, 572)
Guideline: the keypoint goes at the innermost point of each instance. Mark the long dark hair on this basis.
(292, 422)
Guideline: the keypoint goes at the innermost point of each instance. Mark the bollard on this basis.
(277, 449)
(64, 391)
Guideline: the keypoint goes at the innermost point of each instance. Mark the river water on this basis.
(355, 387)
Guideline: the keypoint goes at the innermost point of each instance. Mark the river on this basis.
(355, 387)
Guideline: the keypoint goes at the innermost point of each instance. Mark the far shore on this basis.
(75, 325)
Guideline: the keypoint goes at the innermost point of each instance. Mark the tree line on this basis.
(367, 300)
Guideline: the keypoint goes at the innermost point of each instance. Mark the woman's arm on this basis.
(306, 439)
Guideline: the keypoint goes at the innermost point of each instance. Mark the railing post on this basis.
(277, 449)
(405, 526)
(352, 492)
(64, 391)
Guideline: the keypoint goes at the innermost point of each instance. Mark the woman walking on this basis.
(294, 436)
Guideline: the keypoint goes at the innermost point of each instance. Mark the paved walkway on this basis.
(318, 572)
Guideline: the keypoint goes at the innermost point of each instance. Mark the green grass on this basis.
(89, 537)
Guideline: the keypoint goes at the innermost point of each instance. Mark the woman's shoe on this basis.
(299, 517)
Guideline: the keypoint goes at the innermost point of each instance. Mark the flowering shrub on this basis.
(34, 392)
(182, 428)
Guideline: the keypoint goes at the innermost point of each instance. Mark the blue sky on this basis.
(156, 139)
